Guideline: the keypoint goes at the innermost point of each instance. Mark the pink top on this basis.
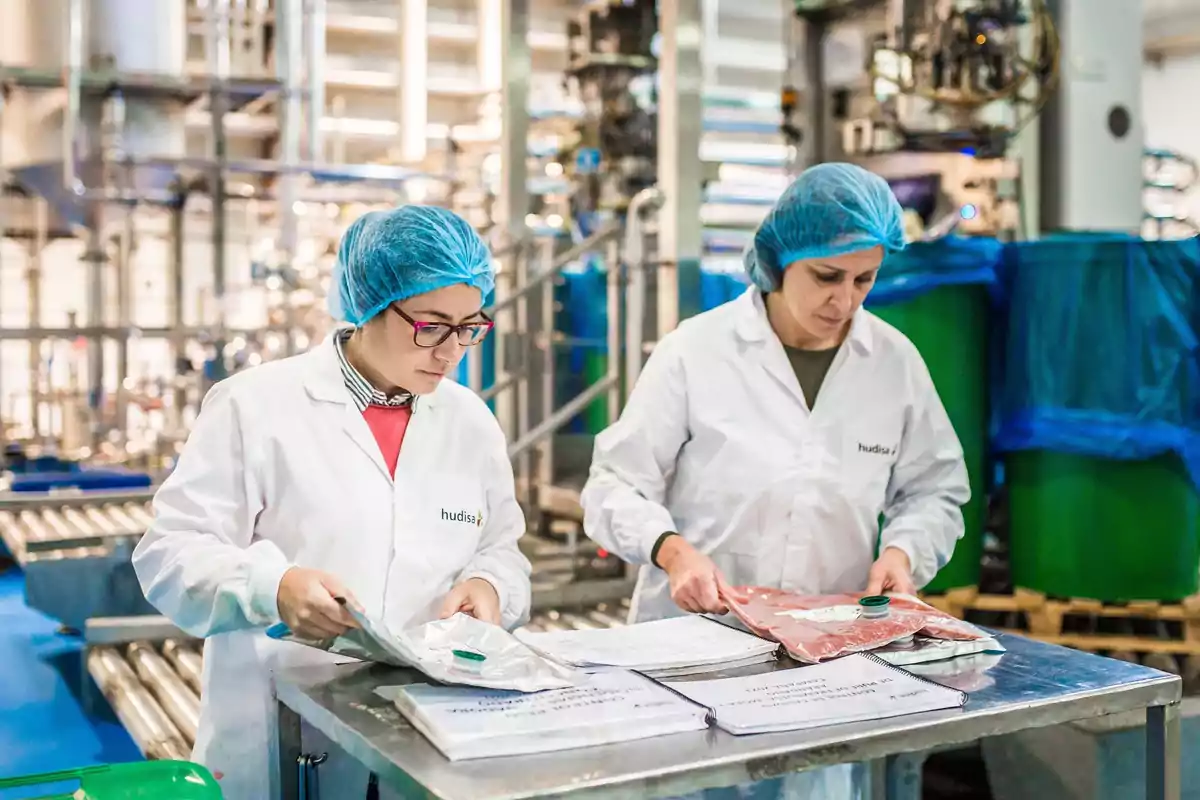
(388, 424)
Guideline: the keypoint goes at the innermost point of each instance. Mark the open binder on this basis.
(855, 688)
(620, 705)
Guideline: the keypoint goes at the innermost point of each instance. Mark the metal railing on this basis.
(525, 347)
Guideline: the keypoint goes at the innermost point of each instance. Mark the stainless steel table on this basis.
(1035, 685)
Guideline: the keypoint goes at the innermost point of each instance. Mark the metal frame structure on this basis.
(99, 187)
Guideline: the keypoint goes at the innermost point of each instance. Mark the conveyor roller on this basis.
(154, 687)
(154, 701)
(186, 661)
(85, 529)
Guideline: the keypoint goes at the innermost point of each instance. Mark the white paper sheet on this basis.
(660, 645)
(850, 689)
(612, 706)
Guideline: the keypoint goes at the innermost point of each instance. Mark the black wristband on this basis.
(658, 546)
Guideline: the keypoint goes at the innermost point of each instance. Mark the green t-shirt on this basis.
(811, 367)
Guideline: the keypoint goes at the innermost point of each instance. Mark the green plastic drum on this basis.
(948, 325)
(595, 367)
(1101, 529)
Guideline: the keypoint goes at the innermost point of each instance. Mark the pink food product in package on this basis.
(816, 628)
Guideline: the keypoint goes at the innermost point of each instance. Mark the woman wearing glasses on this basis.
(354, 472)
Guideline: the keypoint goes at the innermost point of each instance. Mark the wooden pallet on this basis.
(1044, 619)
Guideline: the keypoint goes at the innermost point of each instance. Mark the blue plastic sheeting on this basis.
(924, 266)
(920, 268)
(1100, 357)
(719, 287)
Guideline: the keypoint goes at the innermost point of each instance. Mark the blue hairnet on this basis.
(829, 210)
(386, 256)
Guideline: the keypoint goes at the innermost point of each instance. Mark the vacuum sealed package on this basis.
(459, 650)
(817, 628)
(924, 650)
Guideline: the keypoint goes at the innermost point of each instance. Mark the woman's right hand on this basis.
(308, 601)
(695, 579)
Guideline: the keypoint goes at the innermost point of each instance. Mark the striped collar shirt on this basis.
(360, 389)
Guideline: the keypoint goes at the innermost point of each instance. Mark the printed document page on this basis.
(612, 706)
(851, 689)
(667, 644)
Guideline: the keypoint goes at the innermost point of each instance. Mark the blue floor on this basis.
(42, 724)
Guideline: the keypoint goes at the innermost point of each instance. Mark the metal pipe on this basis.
(74, 48)
(346, 173)
(316, 80)
(524, 337)
(187, 662)
(114, 332)
(545, 460)
(95, 257)
(289, 31)
(20, 501)
(124, 317)
(612, 336)
(178, 342)
(562, 416)
(177, 700)
(219, 63)
(338, 112)
(506, 295)
(815, 33)
(561, 262)
(242, 41)
(645, 201)
(33, 285)
(510, 380)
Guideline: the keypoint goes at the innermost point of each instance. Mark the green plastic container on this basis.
(595, 367)
(1102, 529)
(143, 780)
(948, 325)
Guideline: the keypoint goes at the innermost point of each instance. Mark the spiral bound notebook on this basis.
(856, 688)
(612, 706)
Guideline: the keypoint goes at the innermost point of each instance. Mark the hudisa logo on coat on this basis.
(475, 519)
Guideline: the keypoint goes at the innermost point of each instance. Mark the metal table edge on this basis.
(670, 780)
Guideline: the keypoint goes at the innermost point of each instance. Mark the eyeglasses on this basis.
(432, 334)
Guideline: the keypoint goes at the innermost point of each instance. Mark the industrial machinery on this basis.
(611, 69)
(75, 552)
(1170, 176)
(150, 675)
(948, 88)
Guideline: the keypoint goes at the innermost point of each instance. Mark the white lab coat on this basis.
(282, 470)
(718, 444)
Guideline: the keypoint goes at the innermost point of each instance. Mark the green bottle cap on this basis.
(469, 656)
(874, 601)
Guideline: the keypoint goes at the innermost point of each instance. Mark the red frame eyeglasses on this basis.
(432, 334)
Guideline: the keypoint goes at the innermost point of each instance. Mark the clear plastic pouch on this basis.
(459, 650)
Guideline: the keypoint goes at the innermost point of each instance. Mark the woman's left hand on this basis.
(891, 573)
(476, 597)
